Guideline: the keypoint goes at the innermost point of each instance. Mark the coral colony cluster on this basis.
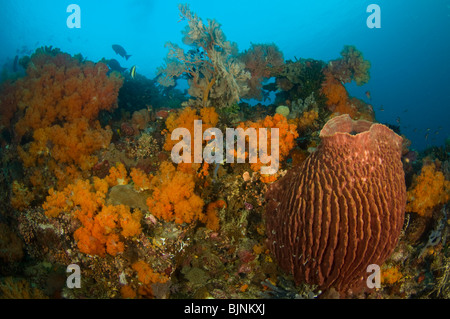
(87, 179)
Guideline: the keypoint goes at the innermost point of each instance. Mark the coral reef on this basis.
(334, 215)
(87, 179)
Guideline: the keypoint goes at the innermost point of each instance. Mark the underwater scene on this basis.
(225, 150)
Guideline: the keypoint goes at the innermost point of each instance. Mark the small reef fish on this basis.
(398, 120)
(133, 71)
(368, 95)
(381, 108)
(114, 65)
(120, 51)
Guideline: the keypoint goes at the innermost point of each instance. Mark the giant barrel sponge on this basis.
(342, 209)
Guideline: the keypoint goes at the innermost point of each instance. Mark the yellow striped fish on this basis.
(133, 71)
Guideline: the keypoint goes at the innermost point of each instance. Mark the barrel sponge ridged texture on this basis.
(342, 209)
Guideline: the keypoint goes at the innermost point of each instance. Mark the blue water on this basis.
(410, 74)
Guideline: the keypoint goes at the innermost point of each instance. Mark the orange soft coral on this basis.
(185, 119)
(212, 220)
(287, 135)
(101, 234)
(58, 102)
(390, 275)
(146, 275)
(102, 226)
(140, 119)
(337, 96)
(72, 143)
(431, 189)
(64, 89)
(173, 197)
(117, 175)
(140, 179)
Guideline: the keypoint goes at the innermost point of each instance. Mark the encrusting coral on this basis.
(430, 189)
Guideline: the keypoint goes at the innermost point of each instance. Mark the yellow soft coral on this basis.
(307, 119)
(390, 275)
(173, 197)
(430, 190)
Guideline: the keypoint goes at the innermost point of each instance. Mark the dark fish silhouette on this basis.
(114, 65)
(120, 51)
(16, 61)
